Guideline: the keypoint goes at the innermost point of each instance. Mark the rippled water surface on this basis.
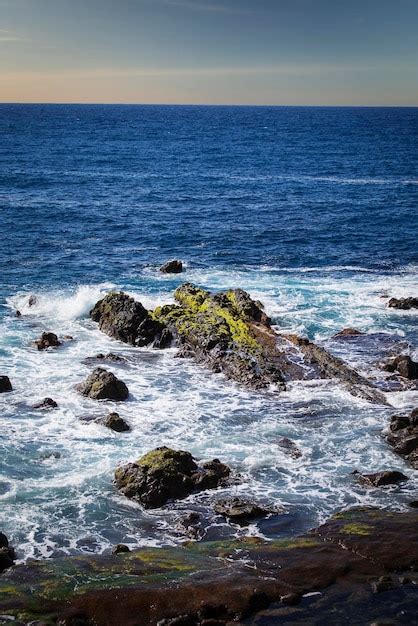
(313, 211)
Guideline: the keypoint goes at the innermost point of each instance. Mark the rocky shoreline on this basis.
(208, 583)
(362, 552)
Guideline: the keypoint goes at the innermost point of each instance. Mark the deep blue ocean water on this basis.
(313, 210)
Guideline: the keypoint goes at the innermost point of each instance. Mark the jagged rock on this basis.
(110, 357)
(328, 366)
(291, 599)
(241, 510)
(165, 474)
(381, 479)
(172, 267)
(115, 422)
(103, 385)
(403, 303)
(290, 447)
(47, 340)
(123, 318)
(404, 365)
(227, 332)
(7, 554)
(120, 548)
(164, 340)
(189, 525)
(403, 436)
(46, 403)
(348, 332)
(5, 384)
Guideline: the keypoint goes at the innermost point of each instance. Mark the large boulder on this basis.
(403, 436)
(403, 303)
(115, 422)
(165, 474)
(47, 340)
(404, 365)
(172, 267)
(124, 318)
(5, 384)
(103, 385)
(7, 554)
(381, 479)
(229, 332)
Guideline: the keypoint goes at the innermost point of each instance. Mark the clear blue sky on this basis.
(328, 52)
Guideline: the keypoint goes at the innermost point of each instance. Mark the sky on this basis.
(267, 52)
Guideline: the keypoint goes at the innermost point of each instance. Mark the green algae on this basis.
(356, 529)
(219, 318)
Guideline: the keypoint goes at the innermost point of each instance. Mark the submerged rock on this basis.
(290, 447)
(404, 365)
(115, 422)
(348, 332)
(381, 479)
(403, 303)
(7, 554)
(172, 267)
(241, 510)
(123, 318)
(46, 403)
(5, 384)
(103, 385)
(33, 300)
(165, 474)
(47, 340)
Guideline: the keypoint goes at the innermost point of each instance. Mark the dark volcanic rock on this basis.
(5, 384)
(46, 403)
(212, 582)
(165, 474)
(381, 479)
(110, 357)
(47, 340)
(103, 385)
(290, 447)
(241, 510)
(348, 332)
(120, 548)
(172, 267)
(7, 554)
(404, 365)
(115, 422)
(123, 318)
(230, 333)
(403, 436)
(403, 303)
(227, 332)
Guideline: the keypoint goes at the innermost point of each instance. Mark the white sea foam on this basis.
(56, 488)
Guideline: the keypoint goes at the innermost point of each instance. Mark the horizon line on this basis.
(204, 104)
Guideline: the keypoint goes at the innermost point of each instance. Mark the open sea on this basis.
(314, 211)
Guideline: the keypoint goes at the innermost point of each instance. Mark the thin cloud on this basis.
(114, 73)
(209, 7)
(7, 36)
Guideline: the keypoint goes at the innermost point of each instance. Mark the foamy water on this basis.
(56, 470)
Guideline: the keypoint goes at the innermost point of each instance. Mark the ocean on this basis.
(314, 211)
